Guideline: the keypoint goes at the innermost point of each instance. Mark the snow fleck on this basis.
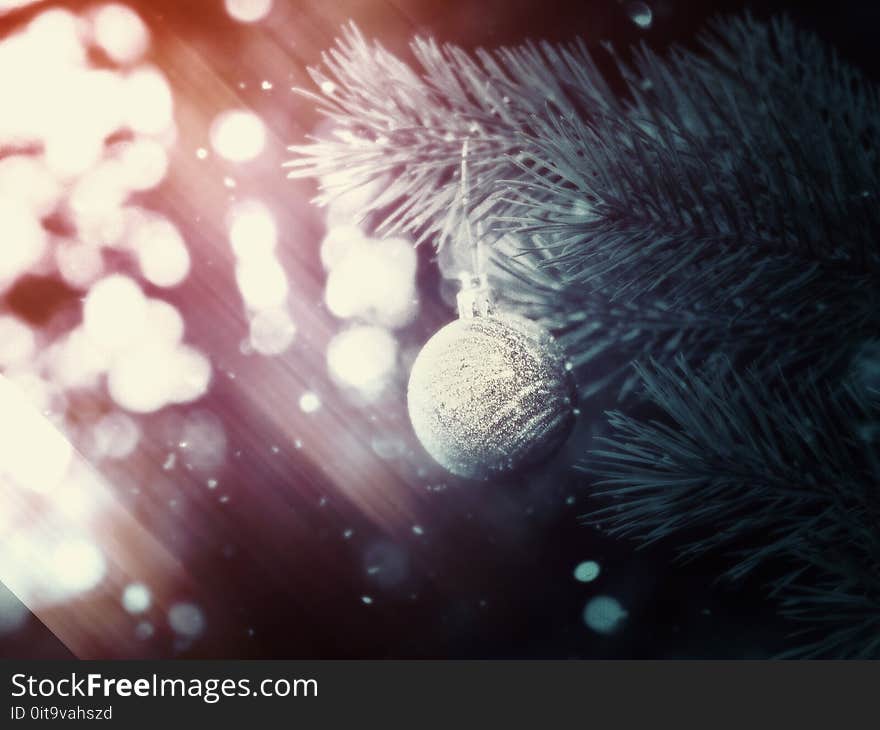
(309, 402)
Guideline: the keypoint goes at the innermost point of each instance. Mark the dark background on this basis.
(491, 575)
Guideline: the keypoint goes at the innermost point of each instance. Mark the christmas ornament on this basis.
(489, 392)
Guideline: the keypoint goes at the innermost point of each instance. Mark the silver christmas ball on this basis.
(489, 394)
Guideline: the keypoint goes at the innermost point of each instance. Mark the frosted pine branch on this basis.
(726, 200)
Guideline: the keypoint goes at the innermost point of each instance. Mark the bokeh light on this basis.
(115, 436)
(95, 204)
(120, 32)
(136, 598)
(202, 441)
(148, 103)
(640, 14)
(386, 564)
(28, 182)
(238, 135)
(144, 163)
(144, 630)
(24, 240)
(337, 242)
(148, 378)
(164, 323)
(76, 360)
(161, 252)
(374, 281)
(192, 377)
(79, 264)
(186, 619)
(604, 614)
(79, 565)
(47, 566)
(587, 571)
(114, 312)
(272, 331)
(363, 357)
(248, 11)
(253, 232)
(262, 283)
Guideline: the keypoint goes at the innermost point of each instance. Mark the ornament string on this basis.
(474, 244)
(474, 298)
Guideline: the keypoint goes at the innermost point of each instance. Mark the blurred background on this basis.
(204, 446)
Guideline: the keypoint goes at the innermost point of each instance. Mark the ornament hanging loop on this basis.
(475, 297)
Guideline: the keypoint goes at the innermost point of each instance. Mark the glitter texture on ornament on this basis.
(490, 394)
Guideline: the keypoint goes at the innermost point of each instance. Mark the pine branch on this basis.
(776, 114)
(738, 462)
(727, 203)
(726, 194)
(802, 319)
(393, 121)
